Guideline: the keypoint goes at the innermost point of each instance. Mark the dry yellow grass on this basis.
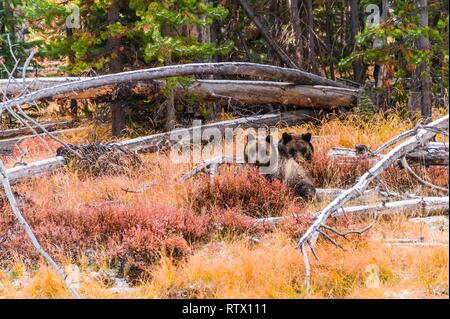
(237, 268)
(234, 267)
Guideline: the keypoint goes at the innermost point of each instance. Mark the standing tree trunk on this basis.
(115, 65)
(169, 104)
(114, 42)
(312, 56)
(265, 33)
(359, 70)
(9, 21)
(420, 95)
(73, 104)
(297, 30)
(330, 42)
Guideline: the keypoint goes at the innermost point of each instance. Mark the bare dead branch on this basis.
(330, 239)
(145, 186)
(354, 231)
(420, 179)
(307, 267)
(29, 232)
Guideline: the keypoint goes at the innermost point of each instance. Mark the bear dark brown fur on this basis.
(287, 169)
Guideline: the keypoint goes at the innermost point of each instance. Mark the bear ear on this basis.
(286, 137)
(307, 137)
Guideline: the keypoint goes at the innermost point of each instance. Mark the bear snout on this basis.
(305, 191)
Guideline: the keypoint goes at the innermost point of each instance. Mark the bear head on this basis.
(295, 145)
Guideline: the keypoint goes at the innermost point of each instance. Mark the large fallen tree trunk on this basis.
(157, 142)
(276, 93)
(263, 92)
(224, 68)
(433, 153)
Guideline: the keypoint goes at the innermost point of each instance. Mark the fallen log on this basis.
(223, 68)
(243, 92)
(35, 169)
(416, 207)
(17, 85)
(433, 153)
(405, 242)
(7, 145)
(277, 93)
(25, 130)
(157, 142)
(160, 141)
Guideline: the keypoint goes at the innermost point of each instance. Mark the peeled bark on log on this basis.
(223, 68)
(17, 86)
(433, 153)
(263, 92)
(157, 142)
(245, 92)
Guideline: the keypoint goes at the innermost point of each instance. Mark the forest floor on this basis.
(197, 239)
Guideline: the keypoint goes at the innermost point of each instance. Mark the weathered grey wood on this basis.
(17, 85)
(268, 92)
(433, 153)
(7, 145)
(35, 169)
(223, 68)
(24, 130)
(159, 141)
(265, 92)
(423, 206)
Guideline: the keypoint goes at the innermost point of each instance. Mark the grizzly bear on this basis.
(285, 153)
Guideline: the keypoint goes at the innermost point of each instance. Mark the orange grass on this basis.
(191, 239)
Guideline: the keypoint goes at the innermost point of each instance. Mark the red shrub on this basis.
(296, 226)
(248, 191)
(342, 173)
(128, 235)
(34, 148)
(127, 232)
(330, 172)
(233, 221)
